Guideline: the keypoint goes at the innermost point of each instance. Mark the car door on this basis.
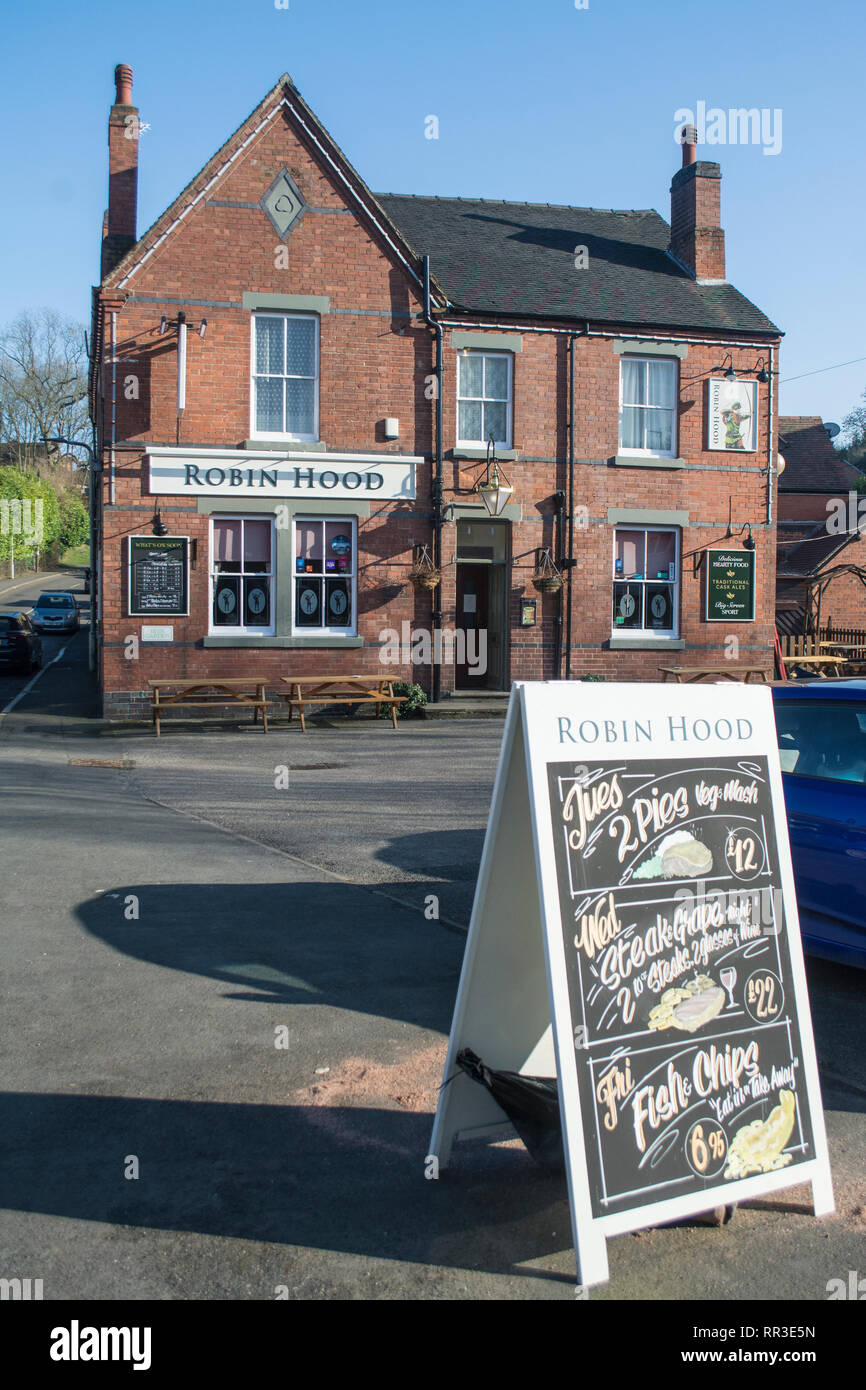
(823, 751)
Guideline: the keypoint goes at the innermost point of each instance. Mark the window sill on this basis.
(643, 641)
(263, 643)
(470, 451)
(643, 461)
(284, 445)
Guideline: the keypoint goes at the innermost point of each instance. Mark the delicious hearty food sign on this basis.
(658, 959)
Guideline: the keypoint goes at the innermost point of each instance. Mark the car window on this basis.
(825, 740)
(55, 601)
(8, 623)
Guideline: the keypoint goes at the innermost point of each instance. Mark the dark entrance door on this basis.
(473, 620)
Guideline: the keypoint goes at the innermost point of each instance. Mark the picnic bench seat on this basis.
(689, 674)
(204, 691)
(304, 691)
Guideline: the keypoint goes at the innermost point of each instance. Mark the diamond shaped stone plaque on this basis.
(284, 204)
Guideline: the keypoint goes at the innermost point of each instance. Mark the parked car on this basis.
(20, 648)
(821, 729)
(56, 611)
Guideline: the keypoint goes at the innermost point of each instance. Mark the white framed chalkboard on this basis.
(635, 935)
(158, 576)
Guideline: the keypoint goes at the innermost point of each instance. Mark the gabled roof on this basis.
(811, 462)
(282, 95)
(518, 259)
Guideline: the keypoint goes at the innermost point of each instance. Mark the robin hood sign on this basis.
(730, 586)
(243, 473)
(652, 962)
(732, 415)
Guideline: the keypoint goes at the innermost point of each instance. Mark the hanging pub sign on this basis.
(648, 958)
(158, 576)
(732, 415)
(729, 586)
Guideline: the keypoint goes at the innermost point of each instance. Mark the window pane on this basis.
(269, 344)
(496, 379)
(660, 606)
(469, 421)
(227, 540)
(632, 428)
(308, 603)
(633, 379)
(269, 404)
(659, 430)
(257, 602)
(661, 549)
(495, 422)
(300, 405)
(339, 602)
(339, 556)
(469, 375)
(662, 376)
(301, 347)
(628, 605)
(309, 549)
(629, 554)
(257, 546)
(225, 608)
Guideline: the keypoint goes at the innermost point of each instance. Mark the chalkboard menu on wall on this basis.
(688, 1047)
(158, 575)
(730, 586)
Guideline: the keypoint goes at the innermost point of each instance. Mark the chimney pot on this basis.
(123, 84)
(689, 142)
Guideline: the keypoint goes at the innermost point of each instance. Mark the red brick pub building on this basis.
(294, 386)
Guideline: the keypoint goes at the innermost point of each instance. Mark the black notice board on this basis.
(158, 576)
(687, 1042)
(730, 586)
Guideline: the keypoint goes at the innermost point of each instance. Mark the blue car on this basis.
(821, 729)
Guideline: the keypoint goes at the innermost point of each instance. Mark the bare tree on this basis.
(43, 384)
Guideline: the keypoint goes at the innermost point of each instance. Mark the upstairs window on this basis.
(484, 398)
(285, 377)
(647, 410)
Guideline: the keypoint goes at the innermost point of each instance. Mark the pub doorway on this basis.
(481, 648)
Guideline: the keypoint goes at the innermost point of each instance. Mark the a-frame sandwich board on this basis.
(671, 773)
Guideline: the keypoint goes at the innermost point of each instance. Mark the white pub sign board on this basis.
(635, 934)
(262, 473)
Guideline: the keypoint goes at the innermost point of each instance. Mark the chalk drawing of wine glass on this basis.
(728, 977)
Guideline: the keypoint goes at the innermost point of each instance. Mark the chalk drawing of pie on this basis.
(685, 858)
(757, 1148)
(679, 855)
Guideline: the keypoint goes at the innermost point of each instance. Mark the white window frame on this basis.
(509, 402)
(238, 629)
(670, 410)
(638, 634)
(256, 433)
(323, 519)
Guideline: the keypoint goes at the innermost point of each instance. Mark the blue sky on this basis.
(537, 100)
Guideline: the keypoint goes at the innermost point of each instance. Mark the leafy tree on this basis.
(74, 521)
(24, 525)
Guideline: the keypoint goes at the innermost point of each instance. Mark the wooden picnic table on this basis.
(339, 690)
(248, 691)
(686, 675)
(817, 661)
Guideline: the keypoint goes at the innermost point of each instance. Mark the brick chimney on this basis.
(697, 239)
(118, 227)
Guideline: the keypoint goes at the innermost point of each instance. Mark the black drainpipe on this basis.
(436, 490)
(570, 556)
